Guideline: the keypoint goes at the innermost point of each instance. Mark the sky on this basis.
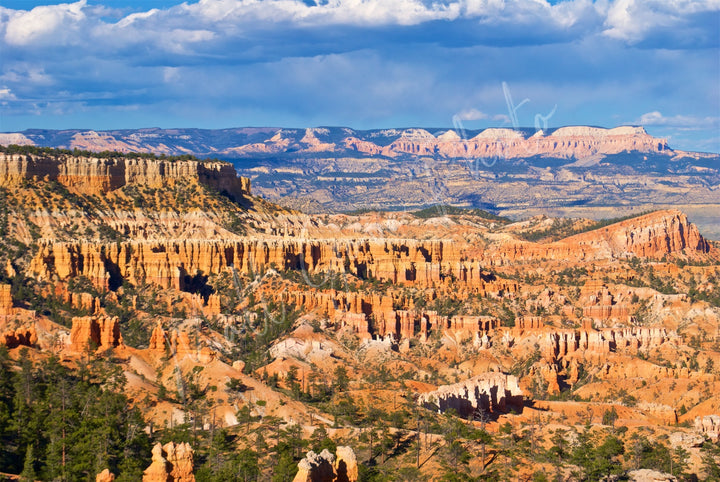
(363, 64)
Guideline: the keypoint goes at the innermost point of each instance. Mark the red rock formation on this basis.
(567, 142)
(157, 340)
(166, 263)
(346, 466)
(525, 323)
(19, 337)
(105, 476)
(99, 332)
(316, 467)
(90, 175)
(170, 463)
(709, 426)
(326, 467)
(653, 235)
(6, 302)
(492, 392)
(601, 304)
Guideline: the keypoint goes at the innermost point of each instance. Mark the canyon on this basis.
(256, 337)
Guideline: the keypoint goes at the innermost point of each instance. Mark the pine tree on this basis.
(29, 474)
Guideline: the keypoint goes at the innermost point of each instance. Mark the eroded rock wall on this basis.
(489, 392)
(89, 175)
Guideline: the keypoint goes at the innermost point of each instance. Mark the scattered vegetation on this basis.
(447, 210)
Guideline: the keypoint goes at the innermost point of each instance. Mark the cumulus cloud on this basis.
(369, 62)
(56, 24)
(6, 94)
(679, 23)
(471, 115)
(655, 118)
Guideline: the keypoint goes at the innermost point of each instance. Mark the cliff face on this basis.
(491, 392)
(653, 235)
(567, 142)
(6, 302)
(169, 263)
(99, 332)
(89, 175)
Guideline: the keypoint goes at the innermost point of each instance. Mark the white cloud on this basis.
(656, 118)
(6, 94)
(635, 20)
(52, 24)
(471, 115)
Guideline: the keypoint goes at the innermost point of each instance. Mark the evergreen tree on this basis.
(28, 473)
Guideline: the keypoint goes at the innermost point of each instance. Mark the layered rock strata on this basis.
(6, 302)
(709, 426)
(173, 263)
(94, 332)
(489, 392)
(653, 235)
(88, 175)
(566, 142)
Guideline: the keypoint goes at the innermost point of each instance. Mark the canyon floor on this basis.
(242, 340)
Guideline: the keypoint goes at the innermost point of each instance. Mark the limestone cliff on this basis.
(168, 263)
(652, 235)
(567, 142)
(94, 332)
(89, 175)
(490, 392)
(6, 302)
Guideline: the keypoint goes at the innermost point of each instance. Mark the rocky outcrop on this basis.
(94, 332)
(590, 343)
(6, 302)
(653, 235)
(316, 468)
(170, 463)
(172, 264)
(105, 476)
(157, 340)
(89, 175)
(326, 467)
(601, 305)
(19, 337)
(648, 475)
(489, 392)
(709, 426)
(346, 466)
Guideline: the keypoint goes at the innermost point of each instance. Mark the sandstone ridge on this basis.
(90, 175)
(654, 235)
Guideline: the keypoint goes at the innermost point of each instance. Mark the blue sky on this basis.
(363, 63)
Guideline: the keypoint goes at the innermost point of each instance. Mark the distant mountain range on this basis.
(509, 171)
(575, 142)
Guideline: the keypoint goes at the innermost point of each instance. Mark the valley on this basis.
(445, 343)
